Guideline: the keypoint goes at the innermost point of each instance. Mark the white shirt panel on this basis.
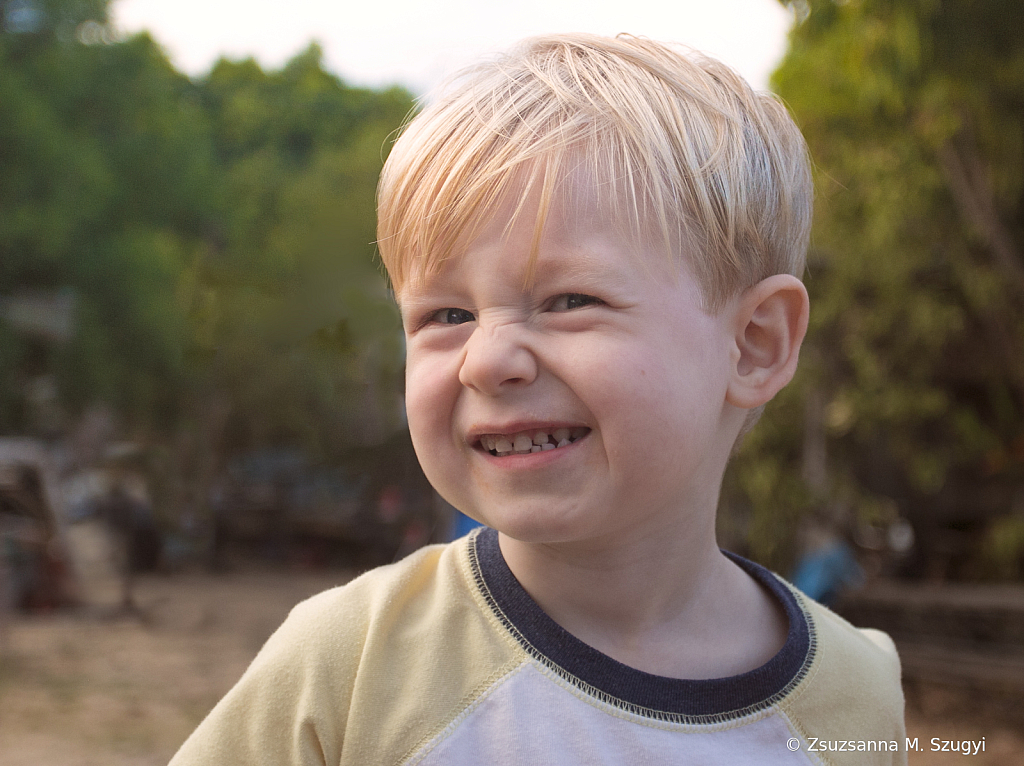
(530, 719)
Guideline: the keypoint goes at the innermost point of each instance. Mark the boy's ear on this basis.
(770, 324)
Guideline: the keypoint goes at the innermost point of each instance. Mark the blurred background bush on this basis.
(187, 286)
(903, 432)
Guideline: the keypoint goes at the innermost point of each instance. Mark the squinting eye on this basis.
(452, 316)
(570, 301)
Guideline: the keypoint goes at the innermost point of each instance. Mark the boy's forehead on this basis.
(582, 209)
(580, 246)
(583, 230)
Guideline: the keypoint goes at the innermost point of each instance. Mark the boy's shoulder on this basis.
(849, 650)
(361, 673)
(444, 658)
(429, 593)
(852, 692)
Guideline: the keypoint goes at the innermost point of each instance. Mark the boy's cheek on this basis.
(429, 405)
(426, 381)
(423, 416)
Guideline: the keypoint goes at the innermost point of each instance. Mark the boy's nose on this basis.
(495, 358)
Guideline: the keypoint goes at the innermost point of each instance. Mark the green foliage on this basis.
(105, 183)
(217, 235)
(915, 120)
(301, 311)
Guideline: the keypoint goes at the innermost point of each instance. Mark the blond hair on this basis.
(680, 146)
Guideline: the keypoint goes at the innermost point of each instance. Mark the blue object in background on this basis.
(463, 525)
(825, 572)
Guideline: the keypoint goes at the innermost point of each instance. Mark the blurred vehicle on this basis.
(110, 527)
(370, 509)
(34, 572)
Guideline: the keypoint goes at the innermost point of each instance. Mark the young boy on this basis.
(595, 245)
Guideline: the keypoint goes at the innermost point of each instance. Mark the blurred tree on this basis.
(104, 191)
(216, 236)
(296, 339)
(911, 392)
(304, 340)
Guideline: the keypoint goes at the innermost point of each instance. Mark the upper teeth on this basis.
(531, 441)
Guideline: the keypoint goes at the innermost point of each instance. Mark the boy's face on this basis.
(606, 344)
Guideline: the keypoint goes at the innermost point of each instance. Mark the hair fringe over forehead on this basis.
(679, 147)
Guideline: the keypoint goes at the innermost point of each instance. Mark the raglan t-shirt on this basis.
(443, 658)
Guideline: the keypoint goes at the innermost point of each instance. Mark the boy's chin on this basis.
(539, 528)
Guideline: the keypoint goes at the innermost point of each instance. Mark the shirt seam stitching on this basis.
(641, 711)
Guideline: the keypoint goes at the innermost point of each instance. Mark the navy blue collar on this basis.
(672, 699)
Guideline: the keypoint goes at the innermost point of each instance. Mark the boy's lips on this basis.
(522, 439)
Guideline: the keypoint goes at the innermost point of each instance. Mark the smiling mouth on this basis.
(525, 442)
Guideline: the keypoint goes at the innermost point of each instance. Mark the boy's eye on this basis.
(452, 316)
(570, 301)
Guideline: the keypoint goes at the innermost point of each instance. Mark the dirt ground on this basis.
(126, 692)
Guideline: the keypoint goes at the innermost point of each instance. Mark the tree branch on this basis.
(965, 178)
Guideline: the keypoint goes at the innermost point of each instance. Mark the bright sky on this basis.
(419, 42)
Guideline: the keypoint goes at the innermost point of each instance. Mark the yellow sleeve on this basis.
(362, 674)
(852, 692)
(288, 708)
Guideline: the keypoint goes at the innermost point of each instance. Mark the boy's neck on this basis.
(671, 604)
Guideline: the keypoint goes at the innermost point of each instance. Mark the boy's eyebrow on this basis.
(409, 307)
(584, 270)
(587, 268)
